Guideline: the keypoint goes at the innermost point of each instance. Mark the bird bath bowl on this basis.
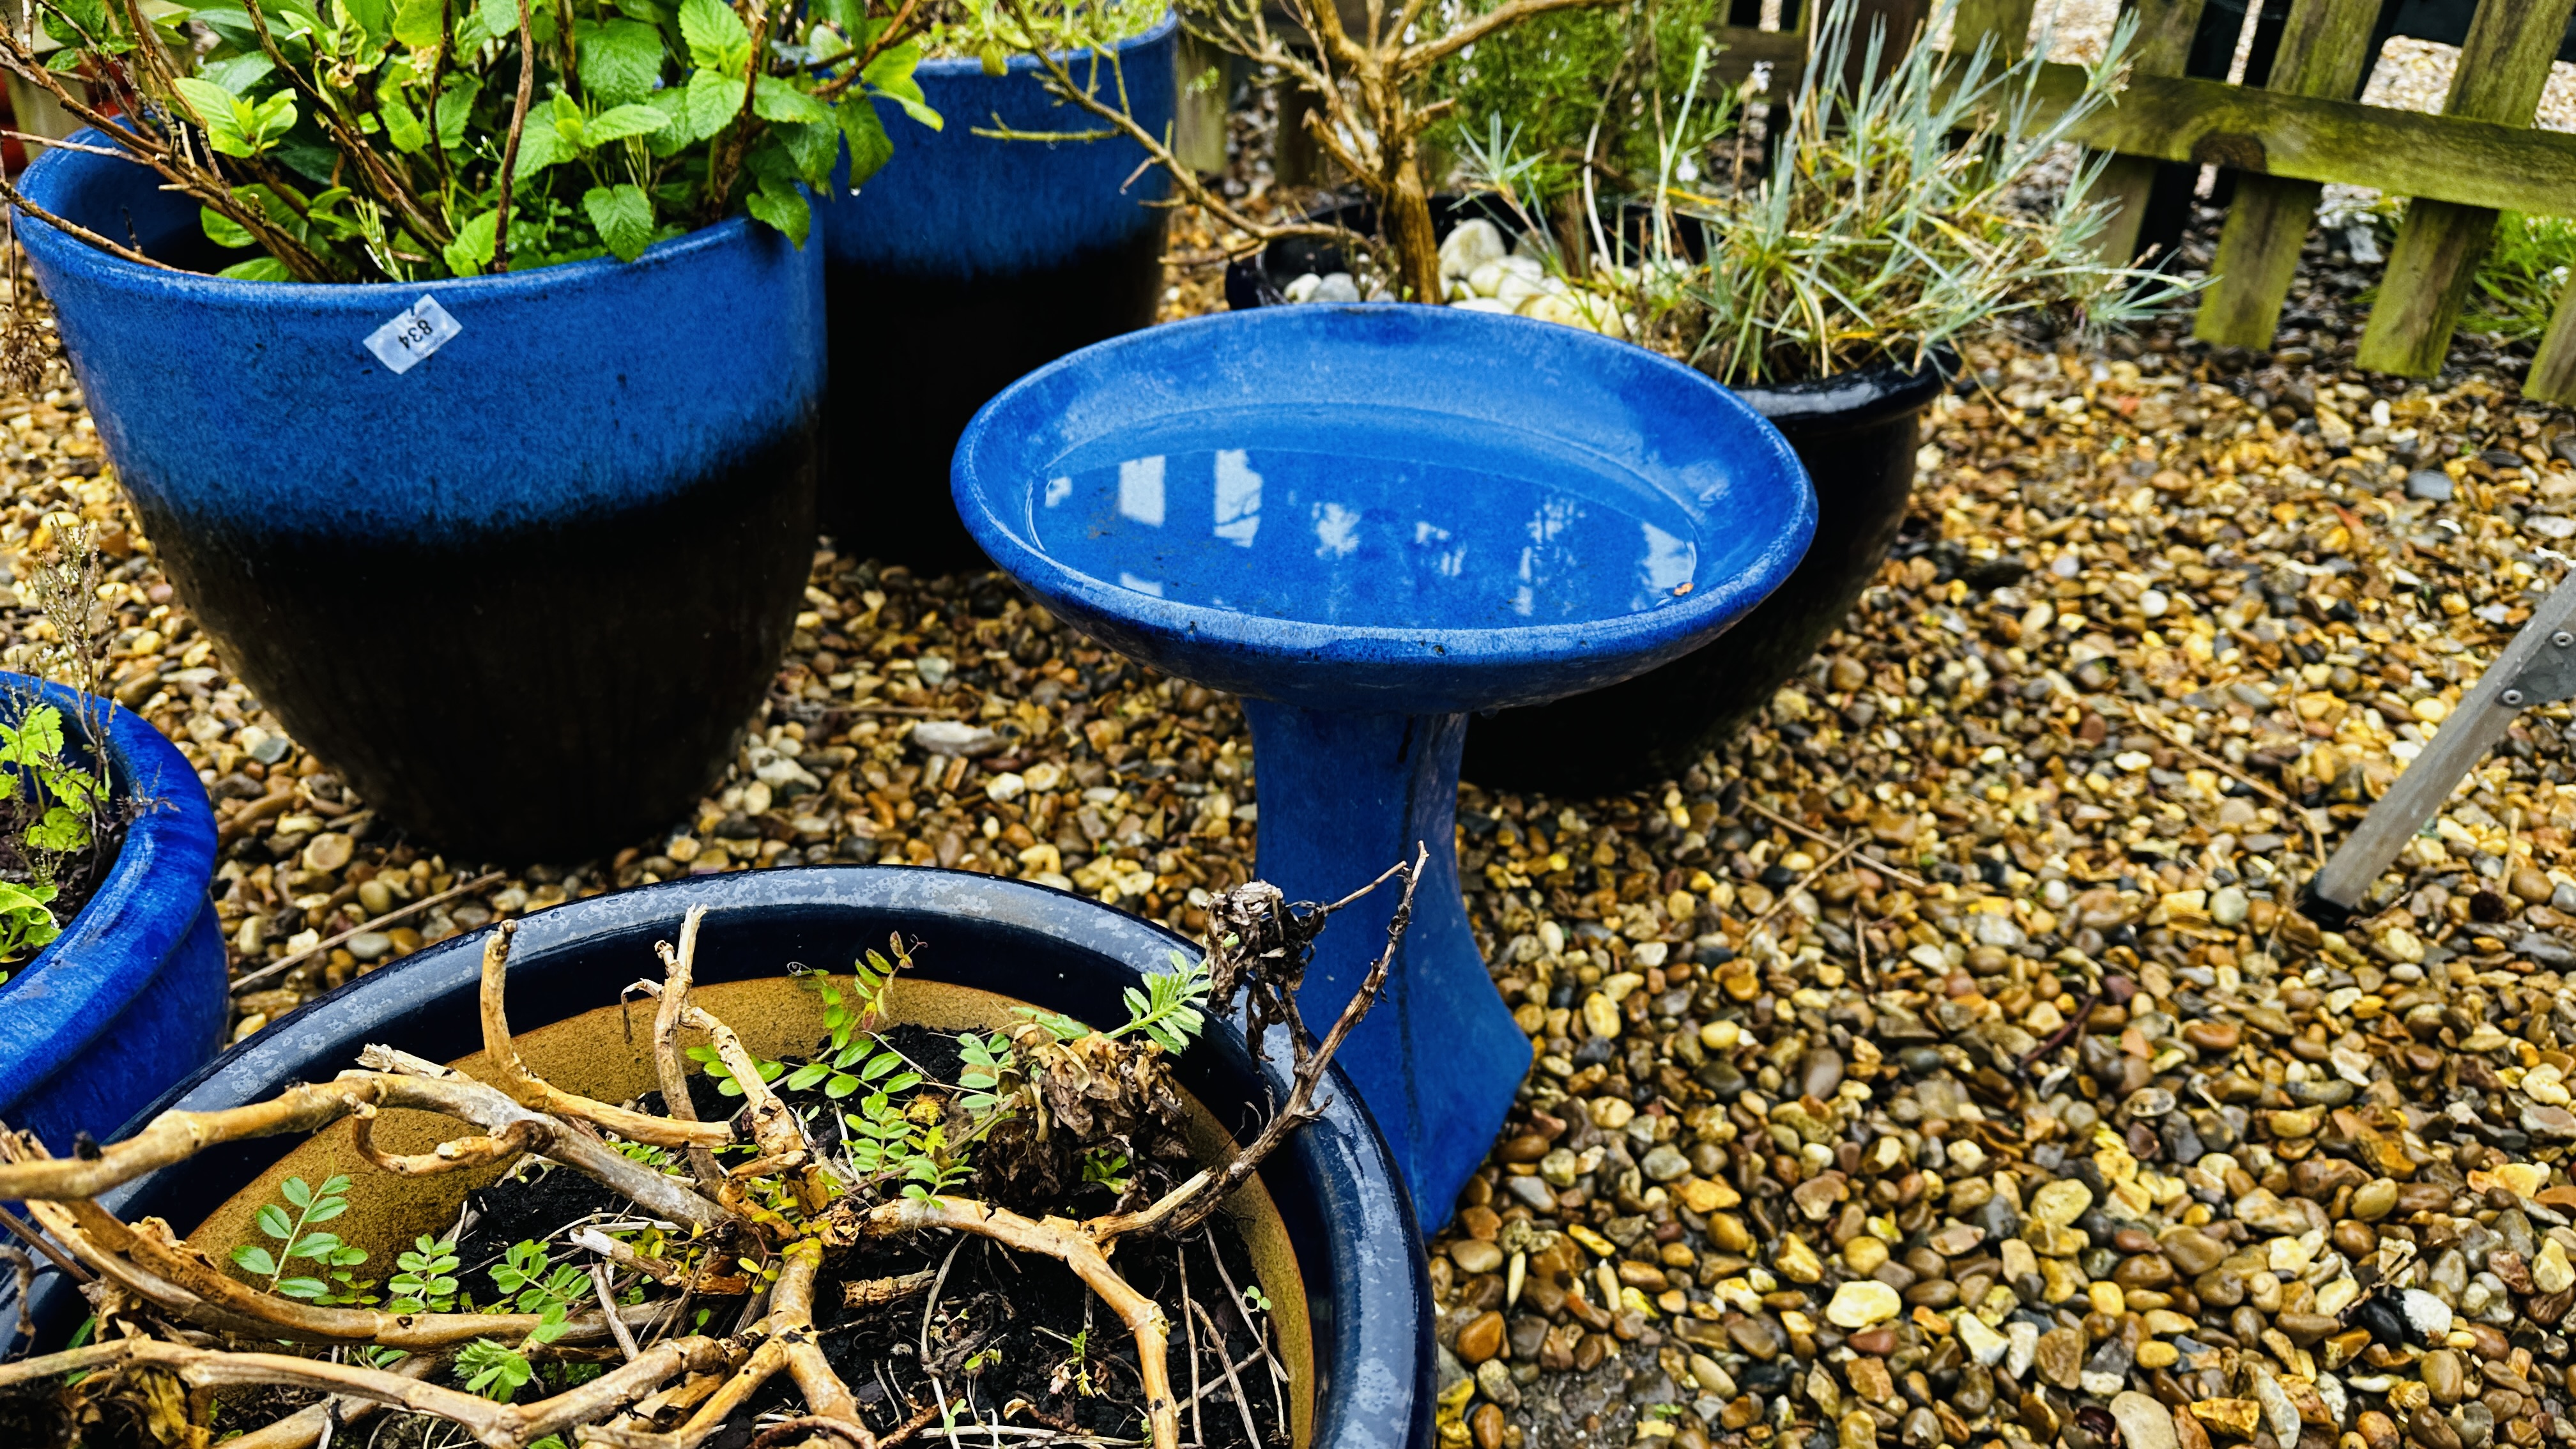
(1371, 522)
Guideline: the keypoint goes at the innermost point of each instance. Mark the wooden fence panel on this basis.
(2502, 68)
(2162, 47)
(2323, 49)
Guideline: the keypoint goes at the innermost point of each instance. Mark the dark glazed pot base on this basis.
(552, 692)
(914, 357)
(1856, 434)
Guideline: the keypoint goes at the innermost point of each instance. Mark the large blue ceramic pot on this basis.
(520, 594)
(968, 261)
(1340, 1205)
(130, 997)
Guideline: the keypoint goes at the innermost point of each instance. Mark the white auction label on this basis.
(405, 342)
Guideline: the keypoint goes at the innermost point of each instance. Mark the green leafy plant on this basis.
(1890, 223)
(409, 140)
(1169, 1009)
(2522, 276)
(1591, 98)
(26, 923)
(844, 1062)
(529, 1282)
(1107, 1168)
(994, 32)
(493, 1369)
(427, 1277)
(294, 1226)
(33, 762)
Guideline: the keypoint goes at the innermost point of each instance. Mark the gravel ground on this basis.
(1941, 1061)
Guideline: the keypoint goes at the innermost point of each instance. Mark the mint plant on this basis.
(411, 140)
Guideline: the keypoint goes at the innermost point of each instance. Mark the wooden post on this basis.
(2323, 50)
(2553, 368)
(2503, 66)
(2163, 44)
(2008, 21)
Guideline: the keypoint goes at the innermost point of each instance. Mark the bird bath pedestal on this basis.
(1371, 522)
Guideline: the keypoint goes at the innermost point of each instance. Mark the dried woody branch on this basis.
(167, 152)
(1370, 120)
(1257, 943)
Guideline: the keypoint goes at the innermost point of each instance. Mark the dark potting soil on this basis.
(1020, 1339)
(1026, 1345)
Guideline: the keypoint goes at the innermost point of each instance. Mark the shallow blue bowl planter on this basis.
(522, 594)
(1372, 521)
(1336, 1188)
(130, 997)
(968, 261)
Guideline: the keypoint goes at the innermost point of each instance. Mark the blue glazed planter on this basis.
(968, 261)
(1372, 521)
(1333, 1182)
(130, 997)
(520, 595)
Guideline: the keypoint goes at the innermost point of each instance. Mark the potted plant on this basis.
(521, 1296)
(111, 962)
(1615, 192)
(994, 246)
(465, 363)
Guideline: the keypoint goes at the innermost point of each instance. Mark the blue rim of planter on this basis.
(60, 247)
(56, 1005)
(997, 511)
(1374, 1352)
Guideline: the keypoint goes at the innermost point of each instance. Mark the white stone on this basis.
(954, 737)
(1982, 1343)
(1301, 287)
(2145, 1423)
(1336, 287)
(1469, 245)
(2023, 1335)
(1862, 1302)
(2429, 1316)
(1484, 304)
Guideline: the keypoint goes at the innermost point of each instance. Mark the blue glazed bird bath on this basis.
(1371, 522)
(968, 261)
(130, 997)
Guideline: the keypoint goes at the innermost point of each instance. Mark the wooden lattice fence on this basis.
(2302, 129)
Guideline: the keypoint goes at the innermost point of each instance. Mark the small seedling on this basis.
(309, 1207)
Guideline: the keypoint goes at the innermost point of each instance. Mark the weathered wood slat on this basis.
(2553, 368)
(2008, 21)
(2323, 48)
(2162, 45)
(2503, 65)
(2407, 153)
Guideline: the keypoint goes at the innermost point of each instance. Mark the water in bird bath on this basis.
(1412, 518)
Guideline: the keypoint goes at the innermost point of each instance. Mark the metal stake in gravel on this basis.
(2538, 667)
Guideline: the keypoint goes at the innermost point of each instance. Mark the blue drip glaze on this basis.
(1359, 662)
(130, 997)
(571, 390)
(953, 204)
